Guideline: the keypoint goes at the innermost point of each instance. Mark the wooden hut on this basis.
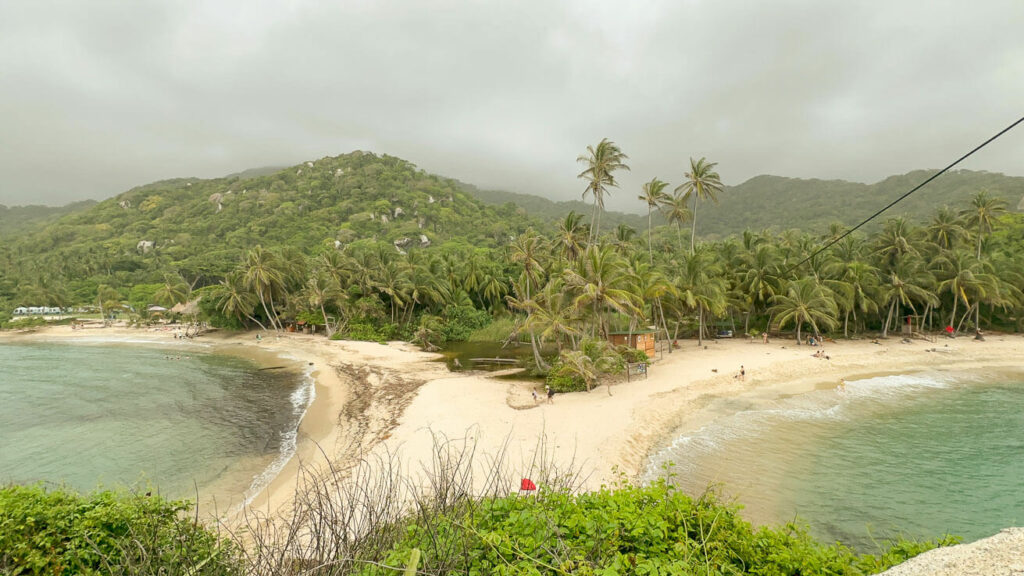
(639, 339)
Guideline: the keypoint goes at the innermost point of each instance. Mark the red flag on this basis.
(527, 484)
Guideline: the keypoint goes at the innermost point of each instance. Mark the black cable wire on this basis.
(896, 201)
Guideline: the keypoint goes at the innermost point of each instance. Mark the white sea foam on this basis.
(301, 399)
(820, 405)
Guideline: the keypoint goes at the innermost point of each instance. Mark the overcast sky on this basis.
(100, 96)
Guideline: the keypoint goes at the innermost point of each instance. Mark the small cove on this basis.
(919, 455)
(179, 419)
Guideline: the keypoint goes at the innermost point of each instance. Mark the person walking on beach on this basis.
(535, 399)
(551, 394)
(743, 373)
(764, 336)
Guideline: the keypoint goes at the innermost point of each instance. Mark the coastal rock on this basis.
(999, 555)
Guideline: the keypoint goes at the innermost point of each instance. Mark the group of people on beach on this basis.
(548, 392)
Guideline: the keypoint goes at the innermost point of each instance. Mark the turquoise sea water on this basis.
(129, 415)
(919, 455)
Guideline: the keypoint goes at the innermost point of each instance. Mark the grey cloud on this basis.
(98, 97)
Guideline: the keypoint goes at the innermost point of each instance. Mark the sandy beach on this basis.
(373, 398)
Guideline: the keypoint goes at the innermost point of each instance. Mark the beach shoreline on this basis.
(394, 399)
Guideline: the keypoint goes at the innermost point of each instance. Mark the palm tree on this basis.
(654, 195)
(677, 211)
(264, 277)
(855, 287)
(550, 313)
(173, 291)
(107, 298)
(701, 288)
(897, 240)
(965, 279)
(946, 229)
(703, 183)
(624, 234)
(393, 282)
(526, 251)
(601, 280)
(322, 290)
(601, 163)
(234, 300)
(570, 236)
(908, 282)
(806, 301)
(760, 282)
(982, 214)
(581, 366)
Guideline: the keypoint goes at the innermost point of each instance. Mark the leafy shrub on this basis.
(366, 330)
(25, 322)
(63, 533)
(606, 359)
(461, 321)
(627, 529)
(429, 333)
(497, 331)
(562, 378)
(631, 355)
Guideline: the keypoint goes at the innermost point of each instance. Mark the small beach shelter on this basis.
(639, 339)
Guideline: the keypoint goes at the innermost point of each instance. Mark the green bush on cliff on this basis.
(58, 533)
(628, 529)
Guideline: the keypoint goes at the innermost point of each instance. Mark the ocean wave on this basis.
(820, 405)
(301, 399)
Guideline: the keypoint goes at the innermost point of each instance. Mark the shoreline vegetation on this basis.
(373, 399)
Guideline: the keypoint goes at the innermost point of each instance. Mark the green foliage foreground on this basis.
(60, 533)
(652, 529)
(628, 530)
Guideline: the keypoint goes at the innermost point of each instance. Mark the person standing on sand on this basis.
(743, 373)
(550, 393)
(534, 392)
(764, 337)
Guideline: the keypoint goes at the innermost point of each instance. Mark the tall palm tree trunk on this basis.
(664, 325)
(650, 246)
(263, 301)
(952, 317)
(700, 325)
(327, 323)
(693, 226)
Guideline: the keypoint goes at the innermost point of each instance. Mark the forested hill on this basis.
(22, 219)
(776, 202)
(811, 205)
(203, 227)
(550, 210)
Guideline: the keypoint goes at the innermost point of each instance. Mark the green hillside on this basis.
(201, 228)
(549, 210)
(779, 203)
(776, 202)
(21, 219)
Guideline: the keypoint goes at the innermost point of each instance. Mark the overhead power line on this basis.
(911, 191)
